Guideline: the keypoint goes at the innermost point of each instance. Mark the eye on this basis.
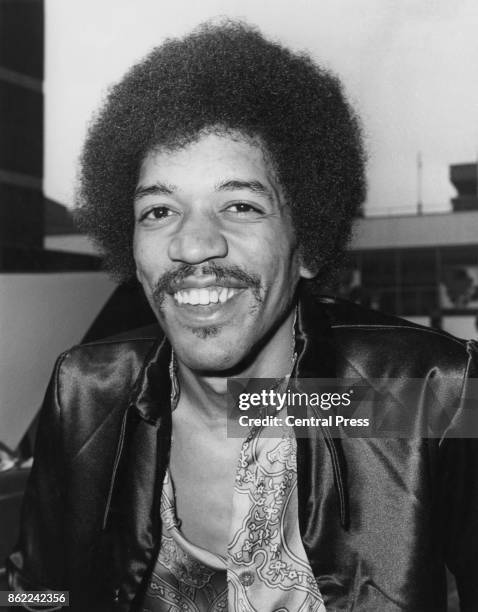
(244, 209)
(156, 213)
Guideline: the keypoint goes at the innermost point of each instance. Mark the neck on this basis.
(206, 394)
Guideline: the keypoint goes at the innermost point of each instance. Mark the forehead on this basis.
(209, 159)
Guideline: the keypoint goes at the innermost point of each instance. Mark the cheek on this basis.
(141, 269)
(279, 258)
(147, 261)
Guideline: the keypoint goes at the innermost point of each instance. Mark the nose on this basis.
(198, 239)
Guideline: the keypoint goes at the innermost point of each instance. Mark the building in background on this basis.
(465, 180)
(21, 125)
(422, 267)
(23, 208)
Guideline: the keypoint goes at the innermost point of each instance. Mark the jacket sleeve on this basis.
(459, 466)
(37, 562)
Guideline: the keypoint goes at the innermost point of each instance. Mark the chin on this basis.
(206, 332)
(208, 354)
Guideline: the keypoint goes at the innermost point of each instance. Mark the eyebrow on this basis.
(156, 189)
(234, 185)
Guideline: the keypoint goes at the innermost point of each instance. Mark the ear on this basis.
(306, 271)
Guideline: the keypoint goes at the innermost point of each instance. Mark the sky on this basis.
(410, 68)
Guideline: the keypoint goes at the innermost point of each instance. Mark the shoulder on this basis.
(93, 384)
(410, 361)
(367, 335)
(110, 365)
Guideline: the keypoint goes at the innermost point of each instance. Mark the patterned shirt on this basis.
(266, 568)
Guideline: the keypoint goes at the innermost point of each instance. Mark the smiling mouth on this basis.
(205, 296)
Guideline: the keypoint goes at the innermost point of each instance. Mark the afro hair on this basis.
(229, 76)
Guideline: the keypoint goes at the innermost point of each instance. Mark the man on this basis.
(224, 172)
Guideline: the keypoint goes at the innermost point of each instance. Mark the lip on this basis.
(202, 282)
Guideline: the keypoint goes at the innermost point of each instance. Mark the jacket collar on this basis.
(151, 393)
(314, 341)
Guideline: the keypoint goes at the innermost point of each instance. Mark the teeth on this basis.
(208, 295)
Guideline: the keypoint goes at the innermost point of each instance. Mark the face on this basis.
(214, 248)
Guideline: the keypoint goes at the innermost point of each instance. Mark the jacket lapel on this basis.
(133, 520)
(317, 359)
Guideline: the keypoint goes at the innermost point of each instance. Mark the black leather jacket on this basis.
(379, 518)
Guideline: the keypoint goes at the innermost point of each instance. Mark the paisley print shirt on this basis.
(266, 568)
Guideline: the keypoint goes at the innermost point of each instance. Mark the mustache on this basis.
(170, 280)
